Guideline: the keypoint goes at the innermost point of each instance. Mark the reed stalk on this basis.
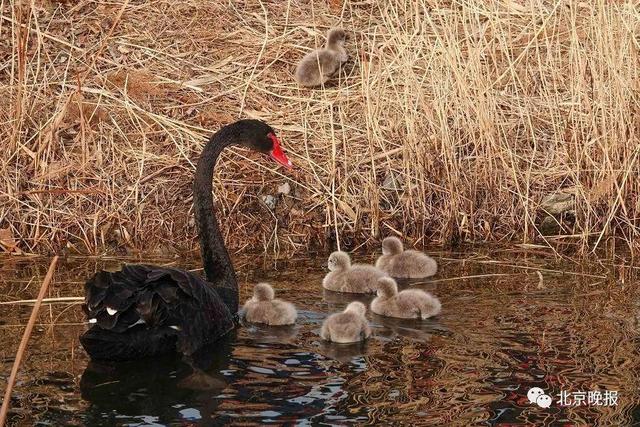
(24, 341)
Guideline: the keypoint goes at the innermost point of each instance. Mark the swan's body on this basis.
(409, 264)
(349, 326)
(264, 308)
(408, 304)
(344, 277)
(146, 310)
(316, 67)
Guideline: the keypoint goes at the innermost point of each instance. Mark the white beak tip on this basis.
(93, 320)
(111, 311)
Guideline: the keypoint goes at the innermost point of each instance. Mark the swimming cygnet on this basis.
(408, 304)
(344, 277)
(316, 67)
(402, 264)
(349, 326)
(263, 308)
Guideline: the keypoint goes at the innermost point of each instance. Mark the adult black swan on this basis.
(145, 310)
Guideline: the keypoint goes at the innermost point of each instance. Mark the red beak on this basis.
(277, 154)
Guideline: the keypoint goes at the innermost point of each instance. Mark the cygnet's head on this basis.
(391, 246)
(356, 307)
(339, 261)
(336, 36)
(263, 292)
(387, 287)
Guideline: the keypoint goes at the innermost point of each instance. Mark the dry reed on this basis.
(6, 401)
(475, 112)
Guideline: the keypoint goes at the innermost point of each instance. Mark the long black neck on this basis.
(215, 258)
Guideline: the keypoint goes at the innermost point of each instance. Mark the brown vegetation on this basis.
(452, 121)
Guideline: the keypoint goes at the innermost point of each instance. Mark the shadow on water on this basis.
(344, 353)
(270, 334)
(258, 373)
(502, 330)
(415, 329)
(163, 389)
(337, 301)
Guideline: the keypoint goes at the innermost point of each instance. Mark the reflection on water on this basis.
(167, 389)
(500, 333)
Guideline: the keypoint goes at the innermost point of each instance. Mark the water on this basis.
(503, 330)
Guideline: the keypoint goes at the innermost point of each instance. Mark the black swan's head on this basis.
(259, 136)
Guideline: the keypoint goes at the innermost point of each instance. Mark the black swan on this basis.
(145, 310)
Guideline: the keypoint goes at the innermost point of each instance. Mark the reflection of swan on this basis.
(424, 284)
(339, 300)
(269, 334)
(156, 388)
(343, 352)
(415, 329)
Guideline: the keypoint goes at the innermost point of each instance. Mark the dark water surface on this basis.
(509, 322)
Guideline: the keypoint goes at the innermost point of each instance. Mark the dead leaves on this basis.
(7, 243)
(138, 84)
(79, 108)
(335, 5)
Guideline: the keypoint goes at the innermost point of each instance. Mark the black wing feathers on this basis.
(178, 309)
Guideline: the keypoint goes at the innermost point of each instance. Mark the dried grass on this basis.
(479, 109)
